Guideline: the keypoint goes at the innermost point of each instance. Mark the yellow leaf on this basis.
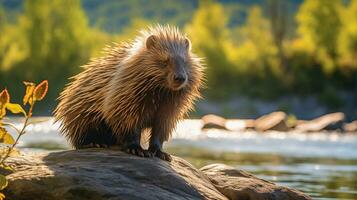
(4, 97)
(6, 167)
(2, 111)
(5, 137)
(30, 87)
(15, 108)
(41, 90)
(2, 196)
(3, 182)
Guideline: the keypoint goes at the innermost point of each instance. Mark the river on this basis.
(323, 165)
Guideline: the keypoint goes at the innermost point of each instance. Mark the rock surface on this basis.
(276, 121)
(350, 127)
(213, 121)
(217, 122)
(110, 174)
(237, 184)
(330, 121)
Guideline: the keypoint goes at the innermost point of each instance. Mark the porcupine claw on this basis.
(163, 155)
(137, 150)
(160, 154)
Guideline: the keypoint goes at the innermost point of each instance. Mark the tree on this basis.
(208, 32)
(257, 56)
(132, 29)
(56, 36)
(2, 27)
(278, 13)
(57, 39)
(347, 40)
(11, 44)
(319, 25)
(2, 17)
(257, 41)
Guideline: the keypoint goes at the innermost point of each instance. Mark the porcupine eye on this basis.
(165, 62)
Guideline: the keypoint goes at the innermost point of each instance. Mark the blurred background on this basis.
(295, 56)
(261, 55)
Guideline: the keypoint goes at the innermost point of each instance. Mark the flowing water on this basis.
(323, 165)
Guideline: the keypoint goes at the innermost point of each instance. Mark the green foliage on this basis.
(319, 25)
(256, 49)
(131, 30)
(347, 40)
(243, 48)
(236, 56)
(114, 16)
(247, 57)
(291, 121)
(35, 93)
(57, 39)
(10, 43)
(208, 32)
(50, 40)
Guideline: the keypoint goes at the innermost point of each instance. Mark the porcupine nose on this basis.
(179, 79)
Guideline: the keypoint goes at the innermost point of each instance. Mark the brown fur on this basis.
(130, 89)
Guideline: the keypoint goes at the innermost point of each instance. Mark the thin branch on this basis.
(29, 114)
(12, 126)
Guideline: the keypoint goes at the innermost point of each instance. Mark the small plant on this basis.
(33, 94)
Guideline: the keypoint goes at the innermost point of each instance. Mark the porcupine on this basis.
(150, 82)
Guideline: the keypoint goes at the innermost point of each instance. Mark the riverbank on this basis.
(321, 164)
(302, 107)
(281, 121)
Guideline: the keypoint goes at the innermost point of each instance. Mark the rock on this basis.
(249, 124)
(239, 124)
(331, 121)
(105, 174)
(350, 127)
(216, 122)
(110, 174)
(237, 184)
(276, 121)
(213, 121)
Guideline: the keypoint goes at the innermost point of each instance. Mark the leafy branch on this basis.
(32, 95)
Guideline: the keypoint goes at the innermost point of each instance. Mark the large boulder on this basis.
(237, 184)
(110, 174)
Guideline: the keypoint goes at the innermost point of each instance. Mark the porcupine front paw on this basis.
(157, 152)
(137, 150)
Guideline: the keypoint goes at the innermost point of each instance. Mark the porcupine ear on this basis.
(151, 41)
(187, 43)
